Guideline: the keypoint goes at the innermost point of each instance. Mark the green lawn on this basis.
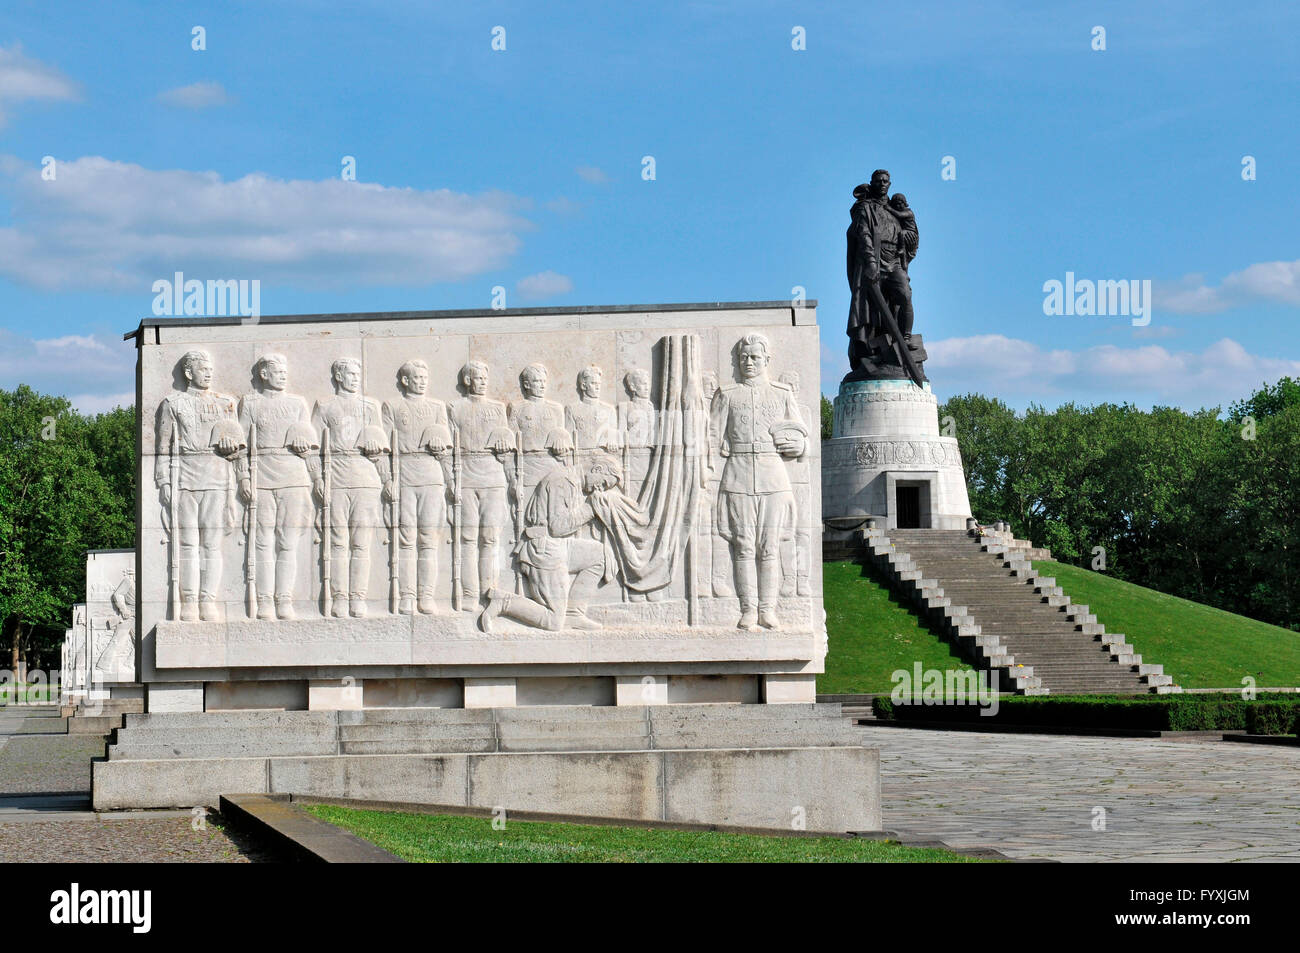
(1199, 646)
(872, 635)
(434, 838)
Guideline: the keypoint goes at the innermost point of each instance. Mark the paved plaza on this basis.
(45, 813)
(1028, 796)
(1036, 796)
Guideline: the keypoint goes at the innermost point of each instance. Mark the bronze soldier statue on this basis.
(882, 240)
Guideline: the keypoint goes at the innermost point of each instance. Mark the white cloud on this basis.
(117, 226)
(546, 284)
(23, 78)
(101, 403)
(196, 96)
(1019, 371)
(589, 173)
(1155, 331)
(101, 371)
(563, 205)
(1268, 281)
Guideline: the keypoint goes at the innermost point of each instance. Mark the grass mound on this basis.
(871, 633)
(1201, 647)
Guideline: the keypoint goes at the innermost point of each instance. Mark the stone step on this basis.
(1001, 608)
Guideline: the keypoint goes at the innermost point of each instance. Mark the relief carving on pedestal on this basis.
(275, 485)
(116, 661)
(542, 440)
(416, 488)
(861, 452)
(759, 427)
(683, 494)
(483, 443)
(636, 429)
(197, 435)
(347, 482)
(560, 567)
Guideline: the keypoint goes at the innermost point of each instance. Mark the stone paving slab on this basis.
(47, 763)
(1034, 796)
(136, 839)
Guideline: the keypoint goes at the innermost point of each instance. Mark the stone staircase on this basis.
(979, 589)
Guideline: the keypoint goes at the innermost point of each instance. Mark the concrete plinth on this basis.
(889, 459)
(769, 766)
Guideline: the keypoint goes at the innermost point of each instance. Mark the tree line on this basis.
(67, 484)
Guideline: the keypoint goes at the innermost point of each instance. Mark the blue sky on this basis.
(523, 168)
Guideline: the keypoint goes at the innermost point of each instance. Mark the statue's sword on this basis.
(891, 325)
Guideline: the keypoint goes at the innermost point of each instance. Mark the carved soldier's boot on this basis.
(189, 607)
(359, 610)
(788, 574)
(746, 583)
(769, 585)
(339, 605)
(496, 602)
(265, 608)
(209, 610)
(426, 572)
(500, 602)
(284, 608)
(406, 605)
(576, 618)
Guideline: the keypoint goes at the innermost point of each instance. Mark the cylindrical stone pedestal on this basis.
(886, 459)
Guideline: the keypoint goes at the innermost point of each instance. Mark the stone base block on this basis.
(790, 689)
(175, 697)
(93, 724)
(828, 789)
(489, 693)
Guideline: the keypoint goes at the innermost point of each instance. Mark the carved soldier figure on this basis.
(637, 430)
(79, 647)
(356, 444)
(560, 569)
(423, 440)
(285, 436)
(483, 439)
(758, 426)
(540, 425)
(594, 424)
(118, 656)
(204, 428)
(796, 548)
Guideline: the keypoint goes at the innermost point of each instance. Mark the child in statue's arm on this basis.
(906, 218)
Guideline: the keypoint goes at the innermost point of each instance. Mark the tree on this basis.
(828, 417)
(1267, 401)
(987, 432)
(54, 505)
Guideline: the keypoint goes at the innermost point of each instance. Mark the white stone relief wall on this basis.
(327, 495)
(99, 651)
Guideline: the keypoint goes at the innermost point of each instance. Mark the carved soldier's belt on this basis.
(759, 446)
